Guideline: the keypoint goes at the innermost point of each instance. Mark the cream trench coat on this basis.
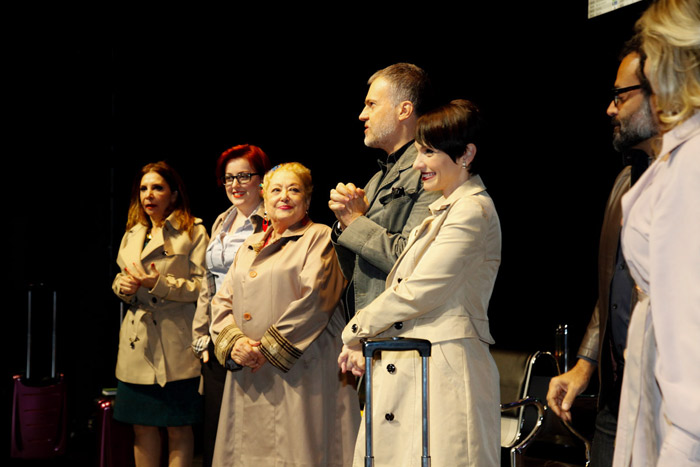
(156, 334)
(297, 409)
(659, 419)
(438, 290)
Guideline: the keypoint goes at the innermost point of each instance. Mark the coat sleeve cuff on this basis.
(278, 350)
(225, 341)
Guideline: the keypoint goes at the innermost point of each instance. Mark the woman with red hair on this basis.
(240, 171)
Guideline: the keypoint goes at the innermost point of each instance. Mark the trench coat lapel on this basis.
(438, 211)
(153, 244)
(158, 240)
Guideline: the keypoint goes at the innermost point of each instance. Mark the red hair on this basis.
(255, 156)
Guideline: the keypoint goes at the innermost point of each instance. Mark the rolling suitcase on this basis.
(39, 406)
(115, 440)
(396, 344)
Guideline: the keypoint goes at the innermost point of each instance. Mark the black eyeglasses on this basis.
(243, 177)
(617, 91)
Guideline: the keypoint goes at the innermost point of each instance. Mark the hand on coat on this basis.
(246, 352)
(564, 388)
(351, 359)
(146, 279)
(348, 203)
(128, 284)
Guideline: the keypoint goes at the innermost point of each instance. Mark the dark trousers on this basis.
(603, 444)
(214, 377)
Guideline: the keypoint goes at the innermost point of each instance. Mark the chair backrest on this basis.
(523, 374)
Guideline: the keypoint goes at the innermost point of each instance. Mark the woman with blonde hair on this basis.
(276, 322)
(659, 418)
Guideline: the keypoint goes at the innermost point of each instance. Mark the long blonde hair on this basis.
(670, 32)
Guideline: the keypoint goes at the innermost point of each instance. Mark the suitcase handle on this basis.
(399, 344)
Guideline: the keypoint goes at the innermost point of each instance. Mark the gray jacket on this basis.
(368, 248)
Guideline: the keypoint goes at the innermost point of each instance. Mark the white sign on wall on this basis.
(598, 7)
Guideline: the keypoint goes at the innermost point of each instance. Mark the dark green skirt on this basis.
(176, 404)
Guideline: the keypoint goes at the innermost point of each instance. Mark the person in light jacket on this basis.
(659, 422)
(438, 290)
(276, 322)
(161, 259)
(240, 171)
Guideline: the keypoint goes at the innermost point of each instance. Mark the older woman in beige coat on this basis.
(161, 258)
(438, 290)
(277, 322)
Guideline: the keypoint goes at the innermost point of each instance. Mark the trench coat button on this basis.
(391, 368)
(154, 300)
(398, 281)
(253, 274)
(354, 328)
(246, 316)
(398, 325)
(389, 417)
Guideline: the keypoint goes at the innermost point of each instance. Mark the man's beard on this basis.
(638, 127)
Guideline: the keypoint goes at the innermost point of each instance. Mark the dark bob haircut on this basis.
(450, 128)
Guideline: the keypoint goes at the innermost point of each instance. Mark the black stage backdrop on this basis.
(93, 97)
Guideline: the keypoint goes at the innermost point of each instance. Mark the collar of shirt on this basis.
(386, 165)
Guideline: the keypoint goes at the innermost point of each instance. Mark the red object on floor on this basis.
(39, 419)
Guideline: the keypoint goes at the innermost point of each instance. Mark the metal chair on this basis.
(530, 434)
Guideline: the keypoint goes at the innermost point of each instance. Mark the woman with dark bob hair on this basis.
(161, 258)
(239, 171)
(439, 289)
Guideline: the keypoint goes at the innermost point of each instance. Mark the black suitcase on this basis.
(396, 344)
(39, 406)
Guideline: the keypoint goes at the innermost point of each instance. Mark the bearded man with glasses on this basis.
(635, 128)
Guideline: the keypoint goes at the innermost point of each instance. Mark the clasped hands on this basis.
(352, 360)
(246, 352)
(137, 277)
(348, 203)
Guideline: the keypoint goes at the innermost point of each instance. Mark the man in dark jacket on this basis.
(635, 128)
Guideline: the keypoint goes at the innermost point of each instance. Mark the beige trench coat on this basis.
(438, 290)
(155, 336)
(296, 410)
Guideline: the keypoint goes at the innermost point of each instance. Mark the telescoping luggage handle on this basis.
(397, 344)
(29, 331)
